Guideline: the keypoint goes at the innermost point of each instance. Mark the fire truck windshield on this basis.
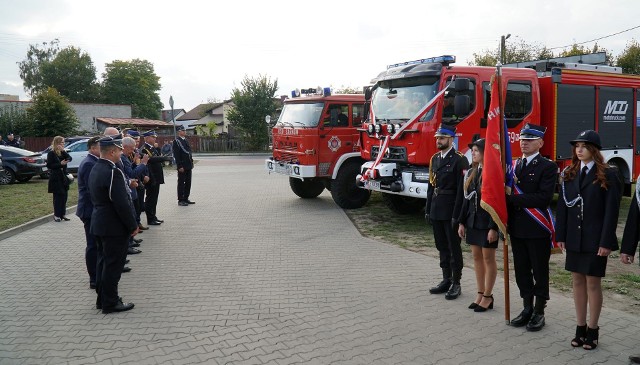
(401, 99)
(301, 114)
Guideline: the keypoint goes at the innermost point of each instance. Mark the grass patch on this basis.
(23, 202)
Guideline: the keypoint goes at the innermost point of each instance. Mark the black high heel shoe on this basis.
(592, 338)
(581, 333)
(480, 308)
(474, 305)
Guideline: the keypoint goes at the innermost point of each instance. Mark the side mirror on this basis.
(367, 93)
(461, 105)
(365, 110)
(461, 84)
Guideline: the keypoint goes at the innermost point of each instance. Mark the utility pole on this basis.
(503, 53)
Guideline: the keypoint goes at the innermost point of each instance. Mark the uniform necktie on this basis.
(524, 163)
(583, 174)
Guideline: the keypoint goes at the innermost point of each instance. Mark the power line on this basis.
(597, 39)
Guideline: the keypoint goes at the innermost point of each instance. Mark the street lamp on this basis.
(503, 54)
(267, 119)
(173, 119)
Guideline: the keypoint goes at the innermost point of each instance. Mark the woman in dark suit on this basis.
(57, 160)
(587, 218)
(479, 230)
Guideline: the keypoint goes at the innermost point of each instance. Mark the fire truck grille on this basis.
(395, 154)
(288, 157)
(323, 168)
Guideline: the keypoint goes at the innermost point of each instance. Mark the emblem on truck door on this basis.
(334, 143)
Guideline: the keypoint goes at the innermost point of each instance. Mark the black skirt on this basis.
(587, 263)
(478, 237)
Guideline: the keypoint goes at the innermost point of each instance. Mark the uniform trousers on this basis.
(448, 245)
(151, 201)
(184, 185)
(531, 265)
(91, 253)
(112, 253)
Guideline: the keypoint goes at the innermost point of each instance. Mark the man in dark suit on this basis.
(535, 177)
(184, 163)
(112, 223)
(85, 207)
(156, 177)
(444, 200)
(11, 141)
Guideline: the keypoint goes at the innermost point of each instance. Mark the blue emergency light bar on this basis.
(444, 60)
(311, 91)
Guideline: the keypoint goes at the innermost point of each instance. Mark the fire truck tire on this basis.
(403, 204)
(307, 189)
(344, 190)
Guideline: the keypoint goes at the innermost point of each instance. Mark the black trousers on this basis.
(151, 201)
(91, 253)
(60, 204)
(448, 245)
(531, 265)
(112, 253)
(184, 185)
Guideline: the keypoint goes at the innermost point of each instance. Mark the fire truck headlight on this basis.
(377, 128)
(370, 129)
(296, 170)
(390, 128)
(396, 128)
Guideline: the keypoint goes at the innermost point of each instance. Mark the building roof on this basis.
(199, 111)
(137, 122)
(165, 114)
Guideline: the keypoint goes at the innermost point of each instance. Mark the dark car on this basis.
(20, 165)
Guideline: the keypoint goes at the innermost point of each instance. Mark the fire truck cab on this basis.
(316, 144)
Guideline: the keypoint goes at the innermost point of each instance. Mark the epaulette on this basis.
(459, 153)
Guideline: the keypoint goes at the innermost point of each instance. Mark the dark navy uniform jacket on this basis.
(112, 207)
(444, 197)
(471, 214)
(586, 228)
(156, 175)
(85, 207)
(631, 229)
(537, 181)
(182, 153)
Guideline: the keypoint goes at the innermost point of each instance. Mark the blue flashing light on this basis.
(444, 60)
(327, 91)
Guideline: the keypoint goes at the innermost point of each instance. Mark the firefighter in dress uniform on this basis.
(112, 223)
(444, 200)
(156, 177)
(535, 178)
(184, 164)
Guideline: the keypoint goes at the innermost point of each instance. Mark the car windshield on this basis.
(301, 114)
(401, 99)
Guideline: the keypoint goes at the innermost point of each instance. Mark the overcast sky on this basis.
(203, 49)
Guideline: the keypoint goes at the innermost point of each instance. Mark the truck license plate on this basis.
(283, 169)
(373, 185)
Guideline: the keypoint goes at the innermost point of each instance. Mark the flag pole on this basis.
(505, 242)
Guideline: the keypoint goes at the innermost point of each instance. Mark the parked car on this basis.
(67, 142)
(77, 150)
(20, 165)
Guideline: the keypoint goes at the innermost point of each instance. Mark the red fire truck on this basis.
(565, 97)
(316, 144)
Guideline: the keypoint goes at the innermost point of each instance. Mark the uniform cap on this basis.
(149, 133)
(446, 131)
(133, 133)
(179, 128)
(478, 143)
(588, 136)
(532, 131)
(111, 141)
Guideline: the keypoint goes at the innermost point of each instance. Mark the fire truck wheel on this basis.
(344, 190)
(307, 189)
(403, 204)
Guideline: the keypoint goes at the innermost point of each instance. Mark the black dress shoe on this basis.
(523, 318)
(635, 359)
(65, 219)
(92, 285)
(536, 322)
(190, 202)
(133, 251)
(137, 240)
(126, 269)
(154, 223)
(142, 228)
(126, 261)
(159, 220)
(134, 245)
(453, 292)
(183, 203)
(120, 307)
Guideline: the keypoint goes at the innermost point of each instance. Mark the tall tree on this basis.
(51, 115)
(516, 50)
(73, 74)
(133, 82)
(14, 119)
(579, 49)
(629, 59)
(253, 102)
(30, 67)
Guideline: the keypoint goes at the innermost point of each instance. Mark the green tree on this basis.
(516, 50)
(14, 119)
(253, 102)
(629, 59)
(348, 90)
(51, 115)
(30, 67)
(73, 74)
(133, 82)
(579, 49)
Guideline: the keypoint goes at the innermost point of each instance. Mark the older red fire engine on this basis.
(316, 144)
(566, 97)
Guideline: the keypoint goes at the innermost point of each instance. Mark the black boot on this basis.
(537, 320)
(524, 316)
(444, 284)
(455, 289)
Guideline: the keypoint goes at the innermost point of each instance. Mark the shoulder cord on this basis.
(638, 194)
(473, 193)
(572, 203)
(181, 146)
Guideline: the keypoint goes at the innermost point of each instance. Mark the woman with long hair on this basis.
(57, 160)
(587, 218)
(479, 230)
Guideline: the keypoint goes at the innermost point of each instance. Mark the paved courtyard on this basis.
(252, 274)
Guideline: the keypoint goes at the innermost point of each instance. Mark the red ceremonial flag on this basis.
(493, 168)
